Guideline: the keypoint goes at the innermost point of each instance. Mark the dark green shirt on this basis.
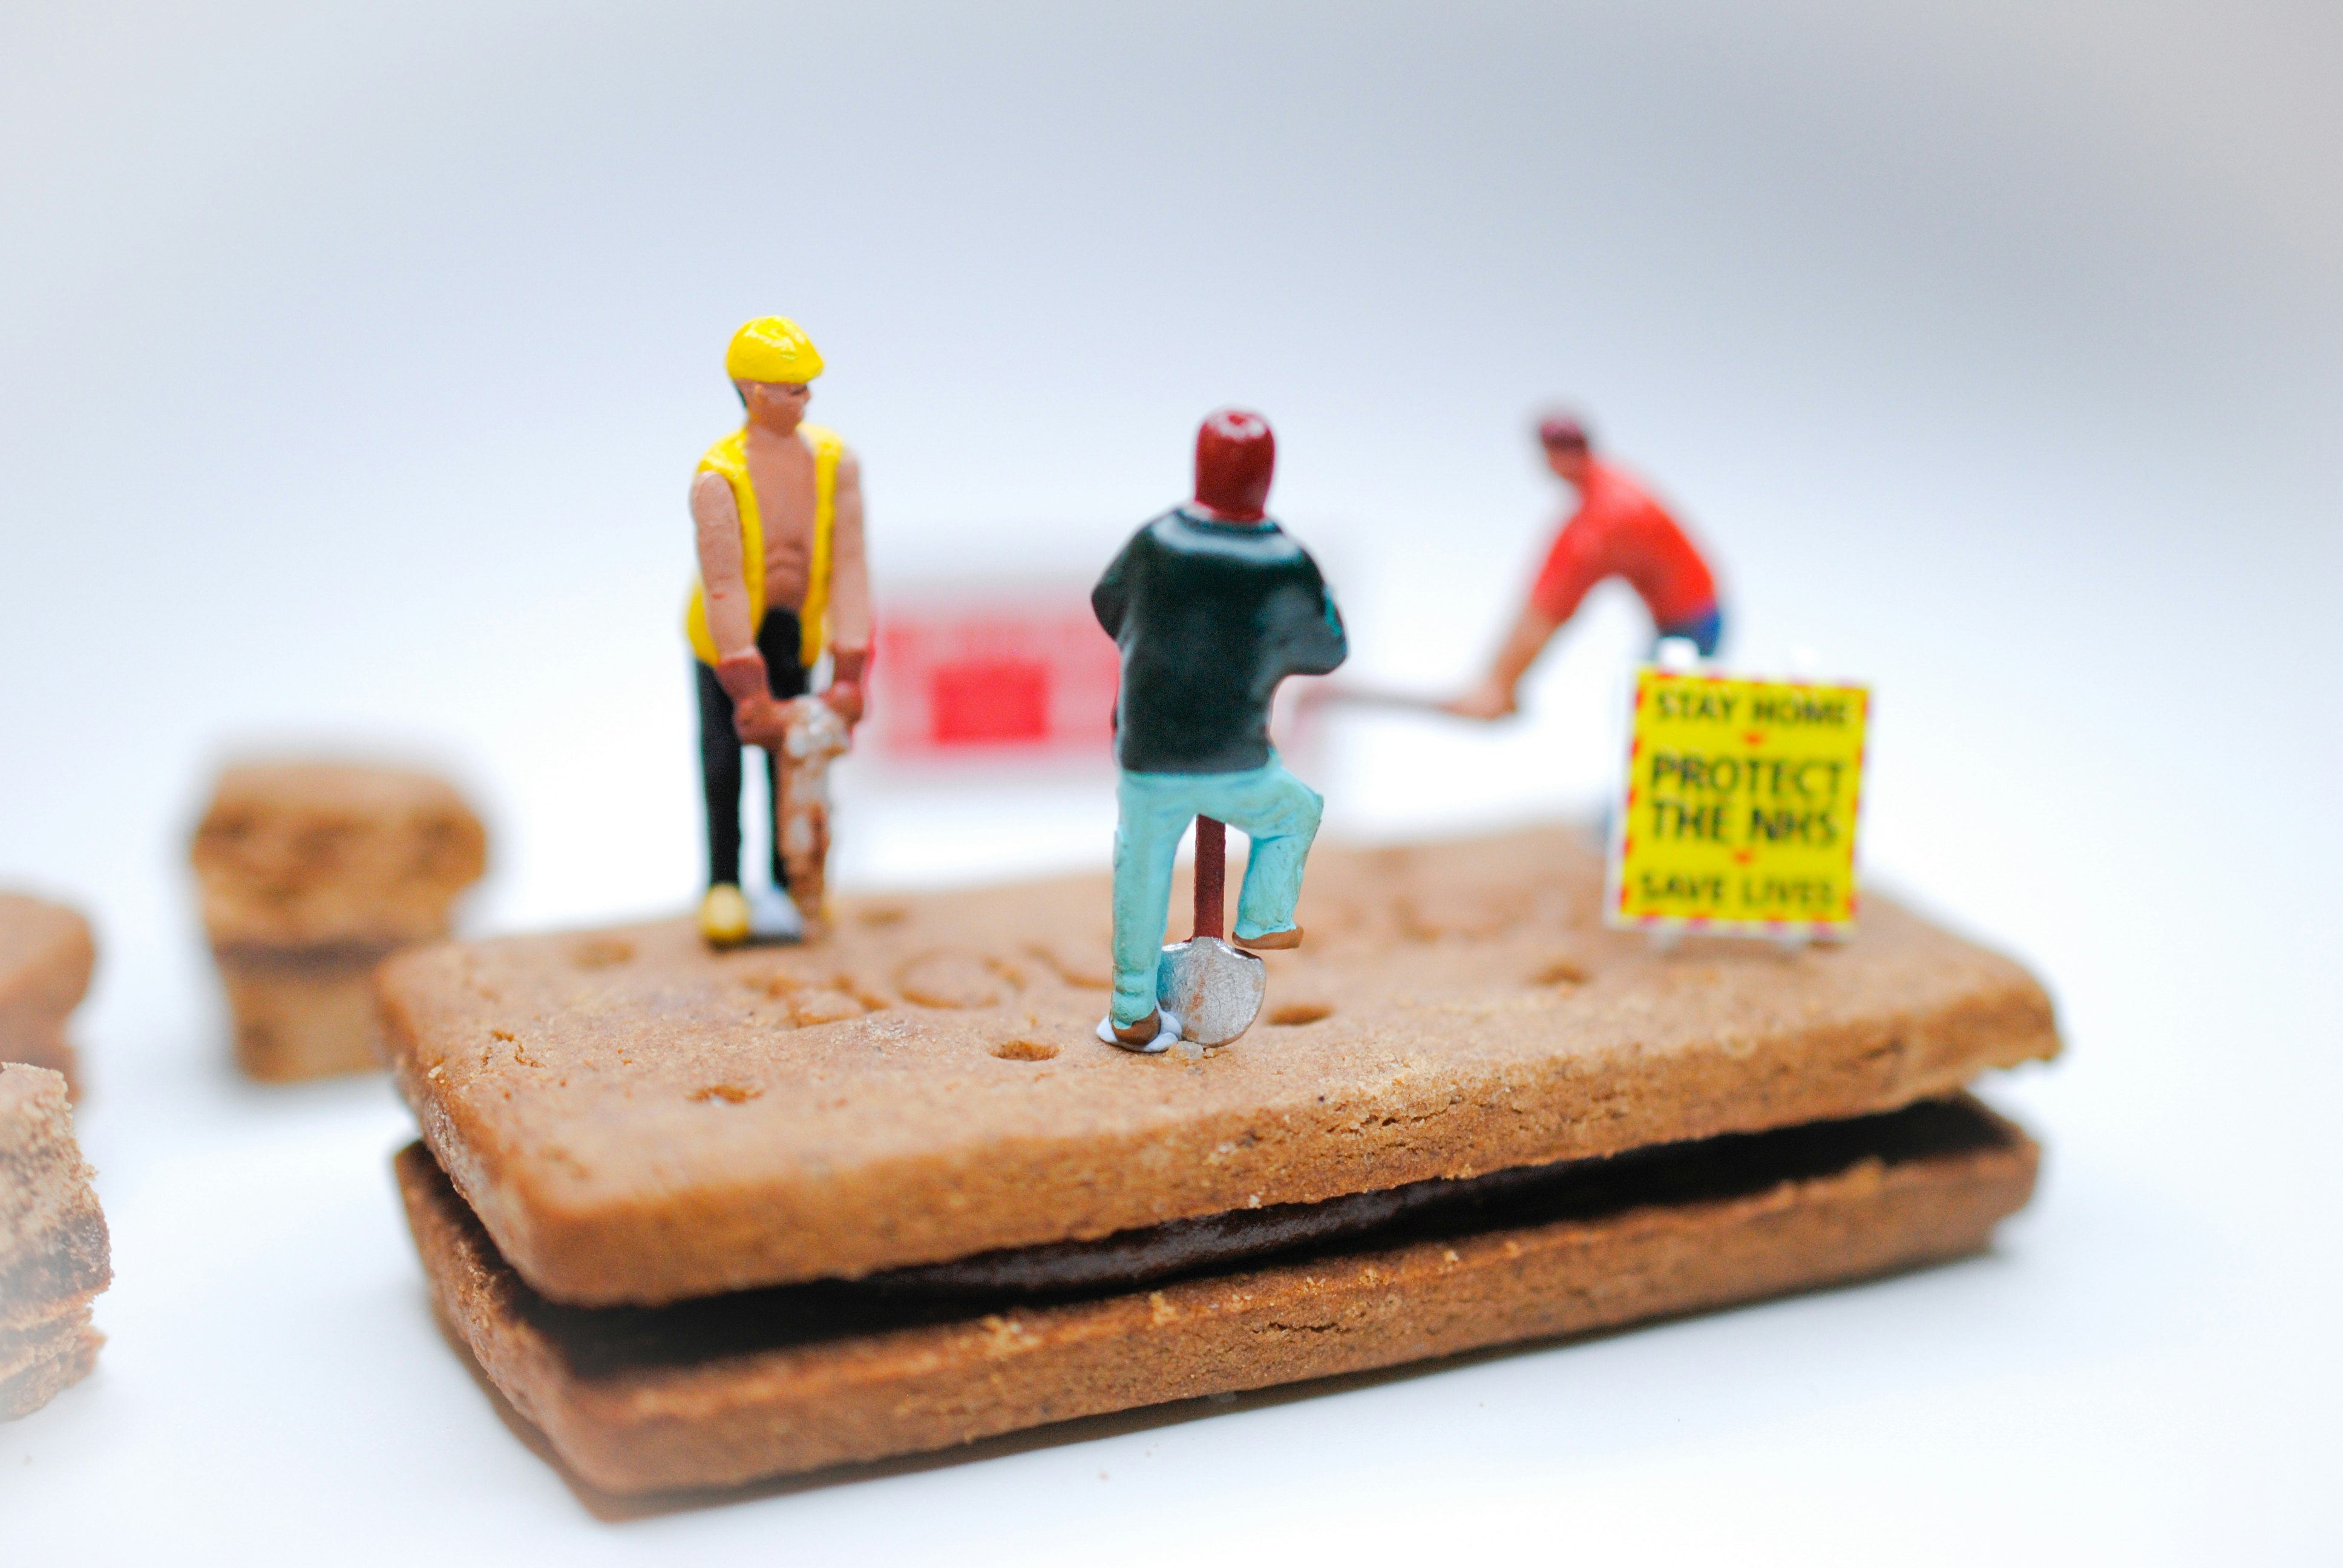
(1210, 617)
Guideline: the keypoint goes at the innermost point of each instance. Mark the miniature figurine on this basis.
(1618, 530)
(1211, 605)
(777, 506)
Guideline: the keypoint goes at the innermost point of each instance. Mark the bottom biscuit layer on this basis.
(731, 1389)
(303, 1014)
(26, 1340)
(55, 1365)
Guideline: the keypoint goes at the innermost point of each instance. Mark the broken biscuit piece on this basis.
(54, 1256)
(312, 873)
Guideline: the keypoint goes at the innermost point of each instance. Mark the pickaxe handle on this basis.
(1211, 876)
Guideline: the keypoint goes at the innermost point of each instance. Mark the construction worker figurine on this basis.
(1618, 530)
(777, 506)
(1213, 604)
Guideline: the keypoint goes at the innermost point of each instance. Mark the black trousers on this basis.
(720, 748)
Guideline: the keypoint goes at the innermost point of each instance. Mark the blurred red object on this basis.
(1029, 675)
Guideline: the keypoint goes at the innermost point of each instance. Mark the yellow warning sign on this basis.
(1740, 806)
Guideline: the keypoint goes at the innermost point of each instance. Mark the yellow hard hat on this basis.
(772, 349)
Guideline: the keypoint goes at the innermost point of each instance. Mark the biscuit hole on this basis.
(886, 914)
(601, 952)
(729, 1093)
(1092, 976)
(1560, 972)
(1293, 1014)
(1024, 1050)
(824, 1006)
(950, 978)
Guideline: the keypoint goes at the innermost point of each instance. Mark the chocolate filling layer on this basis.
(602, 1340)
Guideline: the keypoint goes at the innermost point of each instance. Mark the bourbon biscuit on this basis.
(311, 873)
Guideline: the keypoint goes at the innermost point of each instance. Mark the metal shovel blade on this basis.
(1212, 989)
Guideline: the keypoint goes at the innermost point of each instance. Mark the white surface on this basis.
(355, 363)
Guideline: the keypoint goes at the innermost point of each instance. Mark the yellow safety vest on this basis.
(729, 457)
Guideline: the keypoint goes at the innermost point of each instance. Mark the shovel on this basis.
(1212, 989)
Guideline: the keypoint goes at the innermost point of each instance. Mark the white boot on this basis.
(1167, 1033)
(773, 917)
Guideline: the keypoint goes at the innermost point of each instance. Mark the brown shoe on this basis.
(1139, 1036)
(1272, 942)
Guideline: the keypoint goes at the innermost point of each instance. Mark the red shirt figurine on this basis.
(1618, 530)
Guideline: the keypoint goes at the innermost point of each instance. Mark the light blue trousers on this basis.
(1269, 805)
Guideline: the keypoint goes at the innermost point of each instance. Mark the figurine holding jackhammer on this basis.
(776, 513)
(1213, 604)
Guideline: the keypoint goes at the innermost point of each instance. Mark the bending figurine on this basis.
(777, 508)
(1618, 530)
(1211, 605)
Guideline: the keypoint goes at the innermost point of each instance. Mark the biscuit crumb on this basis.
(1004, 1335)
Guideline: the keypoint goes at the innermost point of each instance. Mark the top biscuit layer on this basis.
(322, 853)
(637, 1120)
(45, 958)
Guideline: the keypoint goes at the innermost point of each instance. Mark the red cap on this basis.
(1235, 455)
(1562, 430)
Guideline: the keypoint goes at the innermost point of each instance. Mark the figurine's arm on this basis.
(1111, 599)
(1494, 697)
(1314, 640)
(724, 584)
(849, 596)
(723, 575)
(1575, 567)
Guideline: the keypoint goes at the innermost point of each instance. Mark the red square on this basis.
(1013, 671)
(986, 701)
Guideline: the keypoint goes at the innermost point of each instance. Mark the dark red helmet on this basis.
(1235, 455)
(1562, 430)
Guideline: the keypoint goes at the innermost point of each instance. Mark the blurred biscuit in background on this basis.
(46, 959)
(311, 873)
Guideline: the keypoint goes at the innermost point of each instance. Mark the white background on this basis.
(352, 365)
